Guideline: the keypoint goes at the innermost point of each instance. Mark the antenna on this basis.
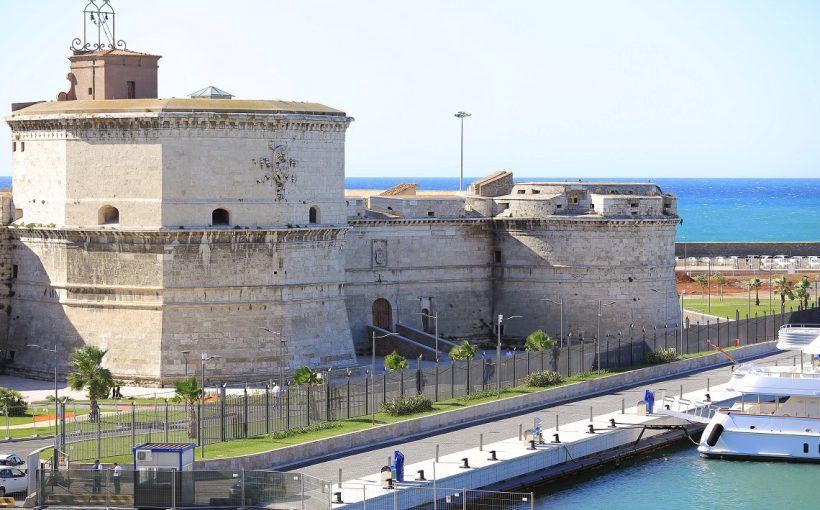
(99, 29)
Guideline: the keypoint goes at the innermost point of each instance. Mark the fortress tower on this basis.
(153, 226)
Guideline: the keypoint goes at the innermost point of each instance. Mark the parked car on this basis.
(10, 459)
(12, 480)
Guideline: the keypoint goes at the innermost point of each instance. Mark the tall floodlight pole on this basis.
(560, 304)
(373, 373)
(282, 342)
(498, 352)
(682, 294)
(461, 116)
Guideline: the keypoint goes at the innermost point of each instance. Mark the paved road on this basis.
(363, 464)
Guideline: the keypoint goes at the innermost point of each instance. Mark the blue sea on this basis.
(712, 209)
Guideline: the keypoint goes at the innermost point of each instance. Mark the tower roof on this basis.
(211, 92)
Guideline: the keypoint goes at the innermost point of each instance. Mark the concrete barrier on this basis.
(401, 431)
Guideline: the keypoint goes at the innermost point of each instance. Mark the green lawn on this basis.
(727, 307)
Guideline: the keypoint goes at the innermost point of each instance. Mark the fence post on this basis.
(436, 395)
(532, 501)
(468, 376)
(366, 396)
(348, 395)
(174, 489)
(327, 400)
(267, 408)
(166, 421)
(401, 383)
(222, 404)
(99, 434)
(464, 499)
(302, 480)
(307, 413)
(133, 425)
(452, 378)
(287, 404)
(513, 370)
(245, 412)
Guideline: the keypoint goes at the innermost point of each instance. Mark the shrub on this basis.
(539, 341)
(543, 378)
(478, 395)
(304, 376)
(316, 427)
(402, 406)
(13, 401)
(395, 361)
(662, 356)
(463, 351)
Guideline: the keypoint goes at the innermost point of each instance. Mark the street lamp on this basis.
(498, 352)
(55, 350)
(435, 321)
(205, 358)
(185, 357)
(282, 342)
(598, 335)
(461, 116)
(560, 304)
(373, 370)
(682, 294)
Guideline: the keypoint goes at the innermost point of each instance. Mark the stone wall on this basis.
(148, 296)
(628, 265)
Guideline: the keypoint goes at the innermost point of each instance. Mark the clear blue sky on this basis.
(570, 88)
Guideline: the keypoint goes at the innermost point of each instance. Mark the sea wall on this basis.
(802, 249)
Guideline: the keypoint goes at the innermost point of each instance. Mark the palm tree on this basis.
(802, 291)
(189, 391)
(304, 376)
(87, 373)
(395, 362)
(539, 341)
(783, 286)
(756, 283)
(702, 281)
(721, 281)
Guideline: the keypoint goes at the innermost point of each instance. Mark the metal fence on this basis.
(261, 412)
(238, 488)
(181, 489)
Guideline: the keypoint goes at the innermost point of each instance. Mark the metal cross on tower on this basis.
(99, 28)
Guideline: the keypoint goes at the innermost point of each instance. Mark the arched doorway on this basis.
(425, 320)
(382, 314)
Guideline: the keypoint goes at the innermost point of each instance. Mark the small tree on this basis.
(702, 281)
(88, 373)
(464, 351)
(539, 341)
(721, 281)
(304, 376)
(756, 283)
(189, 391)
(783, 286)
(12, 402)
(395, 362)
(801, 291)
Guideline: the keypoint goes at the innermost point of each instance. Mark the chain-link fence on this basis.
(274, 410)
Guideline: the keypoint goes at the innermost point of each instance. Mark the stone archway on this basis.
(382, 314)
(425, 320)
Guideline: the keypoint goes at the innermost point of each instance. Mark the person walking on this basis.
(96, 477)
(116, 475)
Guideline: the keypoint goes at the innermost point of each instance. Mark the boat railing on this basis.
(694, 410)
(800, 325)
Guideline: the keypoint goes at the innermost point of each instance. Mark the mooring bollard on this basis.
(681, 391)
(708, 384)
(492, 455)
(481, 442)
(708, 398)
(612, 423)
(465, 463)
(590, 413)
(555, 438)
(623, 406)
(340, 478)
(436, 453)
(532, 444)
(520, 431)
(591, 429)
(420, 477)
(389, 485)
(338, 500)
(556, 422)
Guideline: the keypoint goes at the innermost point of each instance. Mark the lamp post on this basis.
(55, 350)
(185, 357)
(682, 294)
(498, 352)
(205, 358)
(435, 321)
(560, 304)
(373, 373)
(461, 116)
(598, 335)
(282, 342)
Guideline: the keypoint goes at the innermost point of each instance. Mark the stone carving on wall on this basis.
(379, 249)
(277, 169)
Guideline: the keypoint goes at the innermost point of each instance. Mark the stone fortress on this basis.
(163, 228)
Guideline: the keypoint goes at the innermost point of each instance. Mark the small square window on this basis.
(131, 89)
(522, 191)
(634, 213)
(90, 91)
(22, 146)
(14, 271)
(559, 206)
(431, 214)
(504, 205)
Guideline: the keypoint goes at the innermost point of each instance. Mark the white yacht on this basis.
(778, 416)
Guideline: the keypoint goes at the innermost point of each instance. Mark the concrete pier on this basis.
(361, 477)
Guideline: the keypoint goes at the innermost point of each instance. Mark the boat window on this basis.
(805, 447)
